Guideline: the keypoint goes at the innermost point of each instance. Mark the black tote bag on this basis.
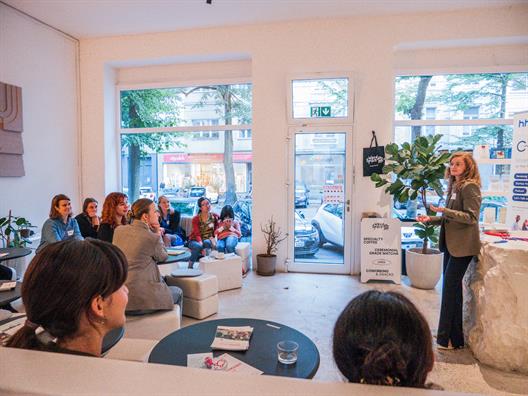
(373, 157)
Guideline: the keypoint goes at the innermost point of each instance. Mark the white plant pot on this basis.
(424, 270)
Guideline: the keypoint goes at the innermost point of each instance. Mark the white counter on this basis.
(496, 304)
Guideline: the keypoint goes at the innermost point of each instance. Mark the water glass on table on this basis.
(287, 352)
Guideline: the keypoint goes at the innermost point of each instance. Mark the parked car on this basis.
(197, 192)
(306, 237)
(301, 195)
(409, 239)
(146, 192)
(328, 221)
(171, 193)
(186, 206)
(242, 210)
(211, 195)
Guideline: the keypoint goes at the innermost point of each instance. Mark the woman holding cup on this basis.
(228, 231)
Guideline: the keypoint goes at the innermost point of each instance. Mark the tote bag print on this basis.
(373, 157)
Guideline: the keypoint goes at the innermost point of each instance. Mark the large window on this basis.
(320, 98)
(187, 142)
(468, 110)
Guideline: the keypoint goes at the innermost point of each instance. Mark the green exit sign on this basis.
(320, 111)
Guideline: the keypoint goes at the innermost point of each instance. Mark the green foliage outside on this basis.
(154, 108)
(148, 108)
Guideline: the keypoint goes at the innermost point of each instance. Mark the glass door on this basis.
(320, 206)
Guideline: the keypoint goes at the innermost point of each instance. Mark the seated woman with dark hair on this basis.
(228, 231)
(60, 225)
(143, 247)
(382, 339)
(115, 208)
(204, 225)
(74, 291)
(88, 220)
(169, 219)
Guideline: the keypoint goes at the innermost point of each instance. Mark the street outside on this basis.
(328, 253)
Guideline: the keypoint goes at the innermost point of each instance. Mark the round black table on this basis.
(6, 297)
(176, 258)
(13, 253)
(111, 338)
(262, 352)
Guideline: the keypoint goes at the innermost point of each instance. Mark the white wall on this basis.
(44, 63)
(364, 46)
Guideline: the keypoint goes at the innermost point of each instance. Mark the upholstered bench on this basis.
(200, 294)
(132, 349)
(228, 271)
(153, 326)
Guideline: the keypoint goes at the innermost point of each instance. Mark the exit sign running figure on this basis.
(320, 111)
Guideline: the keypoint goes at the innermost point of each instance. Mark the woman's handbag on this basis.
(373, 157)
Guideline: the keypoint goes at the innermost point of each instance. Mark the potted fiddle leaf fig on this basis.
(267, 262)
(411, 171)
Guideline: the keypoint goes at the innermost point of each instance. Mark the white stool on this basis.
(228, 271)
(200, 294)
(243, 250)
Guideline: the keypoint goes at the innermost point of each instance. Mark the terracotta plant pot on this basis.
(266, 264)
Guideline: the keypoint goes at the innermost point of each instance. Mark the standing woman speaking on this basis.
(459, 241)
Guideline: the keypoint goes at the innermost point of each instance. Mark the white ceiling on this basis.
(95, 18)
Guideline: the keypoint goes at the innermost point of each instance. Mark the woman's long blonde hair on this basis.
(470, 175)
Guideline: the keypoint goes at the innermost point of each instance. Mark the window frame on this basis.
(186, 129)
(176, 84)
(348, 120)
(453, 122)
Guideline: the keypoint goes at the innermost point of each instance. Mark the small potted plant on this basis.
(267, 262)
(15, 231)
(411, 171)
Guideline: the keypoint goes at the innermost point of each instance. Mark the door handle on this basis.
(348, 205)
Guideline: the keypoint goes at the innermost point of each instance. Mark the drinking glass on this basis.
(287, 352)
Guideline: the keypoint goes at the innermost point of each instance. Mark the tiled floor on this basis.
(311, 303)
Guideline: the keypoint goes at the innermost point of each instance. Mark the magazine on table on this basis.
(232, 338)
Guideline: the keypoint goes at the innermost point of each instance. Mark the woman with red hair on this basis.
(115, 208)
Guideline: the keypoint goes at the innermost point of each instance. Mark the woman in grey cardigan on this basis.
(143, 247)
(459, 240)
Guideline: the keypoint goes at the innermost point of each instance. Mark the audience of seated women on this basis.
(74, 294)
(115, 208)
(143, 247)
(169, 219)
(382, 339)
(228, 231)
(60, 225)
(204, 225)
(88, 220)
